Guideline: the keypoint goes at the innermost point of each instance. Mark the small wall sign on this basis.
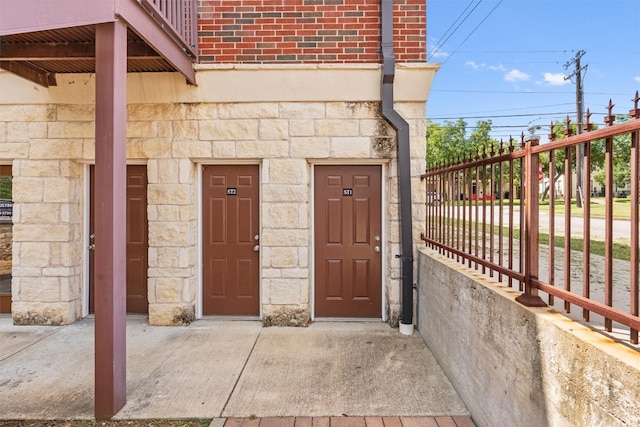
(6, 209)
(232, 191)
(347, 192)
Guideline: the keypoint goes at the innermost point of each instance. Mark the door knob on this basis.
(377, 249)
(256, 248)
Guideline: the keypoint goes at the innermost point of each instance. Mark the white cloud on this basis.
(555, 79)
(497, 68)
(439, 54)
(474, 65)
(637, 78)
(516, 75)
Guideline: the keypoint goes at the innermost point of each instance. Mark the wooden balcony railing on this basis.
(179, 18)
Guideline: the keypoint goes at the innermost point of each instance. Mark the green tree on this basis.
(621, 159)
(480, 139)
(447, 143)
(5, 187)
(597, 154)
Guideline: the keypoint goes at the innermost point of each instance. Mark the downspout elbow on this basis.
(404, 165)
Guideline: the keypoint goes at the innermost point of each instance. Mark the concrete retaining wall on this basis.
(514, 365)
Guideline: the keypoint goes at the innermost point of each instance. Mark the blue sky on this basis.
(505, 60)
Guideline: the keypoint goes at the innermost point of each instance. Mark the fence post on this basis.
(530, 296)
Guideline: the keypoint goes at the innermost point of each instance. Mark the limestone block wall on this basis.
(175, 129)
(46, 285)
(47, 239)
(6, 238)
(514, 365)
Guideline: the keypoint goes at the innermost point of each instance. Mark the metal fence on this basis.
(485, 211)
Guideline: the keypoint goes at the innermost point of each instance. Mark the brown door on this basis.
(348, 241)
(6, 237)
(231, 221)
(137, 240)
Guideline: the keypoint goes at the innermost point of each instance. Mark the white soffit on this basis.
(222, 83)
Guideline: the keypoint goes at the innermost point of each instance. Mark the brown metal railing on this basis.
(484, 211)
(179, 18)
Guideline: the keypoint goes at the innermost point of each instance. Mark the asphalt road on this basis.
(597, 226)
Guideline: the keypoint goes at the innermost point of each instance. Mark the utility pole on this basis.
(579, 101)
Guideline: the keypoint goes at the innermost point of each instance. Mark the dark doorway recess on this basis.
(137, 240)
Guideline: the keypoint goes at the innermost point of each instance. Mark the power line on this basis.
(464, 116)
(473, 31)
(514, 109)
(497, 91)
(502, 116)
(513, 51)
(446, 37)
(523, 92)
(563, 51)
(524, 126)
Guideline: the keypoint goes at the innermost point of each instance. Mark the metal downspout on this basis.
(404, 165)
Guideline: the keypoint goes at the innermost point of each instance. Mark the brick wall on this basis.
(310, 31)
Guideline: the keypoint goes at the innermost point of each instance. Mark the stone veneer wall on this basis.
(173, 133)
(6, 239)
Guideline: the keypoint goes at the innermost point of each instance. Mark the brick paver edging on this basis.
(458, 421)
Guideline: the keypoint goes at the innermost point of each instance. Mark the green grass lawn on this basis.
(621, 208)
(620, 250)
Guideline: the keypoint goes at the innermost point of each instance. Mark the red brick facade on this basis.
(309, 31)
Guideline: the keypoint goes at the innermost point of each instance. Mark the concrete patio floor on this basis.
(223, 369)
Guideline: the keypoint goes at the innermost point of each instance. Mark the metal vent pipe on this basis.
(404, 165)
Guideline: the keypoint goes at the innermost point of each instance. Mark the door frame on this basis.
(200, 281)
(384, 166)
(8, 298)
(86, 231)
(85, 238)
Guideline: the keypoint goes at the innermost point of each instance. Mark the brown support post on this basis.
(635, 219)
(608, 230)
(586, 230)
(530, 296)
(110, 218)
